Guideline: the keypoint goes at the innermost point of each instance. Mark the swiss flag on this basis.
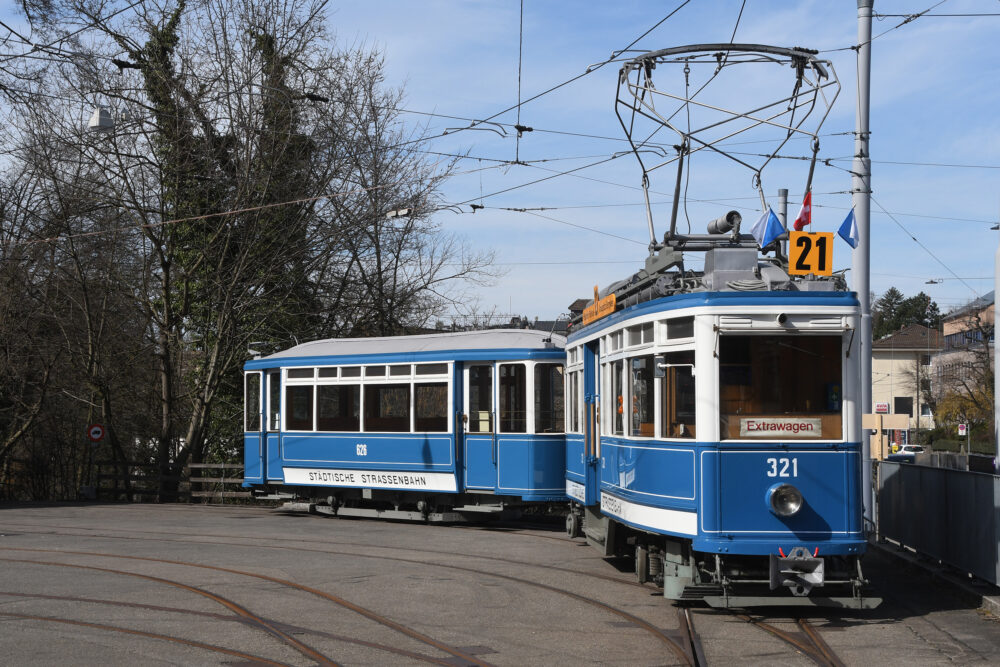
(805, 213)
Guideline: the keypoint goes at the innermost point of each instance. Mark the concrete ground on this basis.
(239, 585)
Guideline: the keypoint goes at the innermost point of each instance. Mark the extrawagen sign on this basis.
(780, 427)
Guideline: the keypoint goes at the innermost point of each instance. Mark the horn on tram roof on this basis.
(725, 223)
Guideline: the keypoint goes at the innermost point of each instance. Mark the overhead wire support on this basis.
(520, 58)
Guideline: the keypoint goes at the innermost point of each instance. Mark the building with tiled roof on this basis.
(901, 362)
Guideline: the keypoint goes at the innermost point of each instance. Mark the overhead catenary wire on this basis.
(909, 18)
(589, 70)
(925, 248)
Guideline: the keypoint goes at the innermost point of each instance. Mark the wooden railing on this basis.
(142, 482)
(215, 489)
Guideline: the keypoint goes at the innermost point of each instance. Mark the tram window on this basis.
(780, 387)
(550, 409)
(338, 407)
(274, 401)
(387, 408)
(643, 402)
(400, 370)
(618, 396)
(480, 399)
(680, 327)
(350, 372)
(251, 402)
(677, 402)
(300, 373)
(640, 334)
(299, 408)
(432, 369)
(328, 372)
(430, 406)
(513, 398)
(573, 401)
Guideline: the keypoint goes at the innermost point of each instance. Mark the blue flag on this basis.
(767, 228)
(849, 230)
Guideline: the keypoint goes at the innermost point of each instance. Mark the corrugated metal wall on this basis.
(950, 515)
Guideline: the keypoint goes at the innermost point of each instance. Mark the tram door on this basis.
(592, 418)
(272, 408)
(253, 427)
(480, 437)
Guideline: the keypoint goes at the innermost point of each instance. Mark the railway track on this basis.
(681, 648)
(285, 627)
(684, 643)
(806, 641)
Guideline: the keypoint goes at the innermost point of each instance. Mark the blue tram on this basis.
(433, 427)
(706, 423)
(713, 430)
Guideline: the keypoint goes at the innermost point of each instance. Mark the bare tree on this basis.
(242, 196)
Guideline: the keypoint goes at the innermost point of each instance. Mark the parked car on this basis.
(906, 454)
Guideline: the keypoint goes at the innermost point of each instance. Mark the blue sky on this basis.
(934, 100)
(933, 103)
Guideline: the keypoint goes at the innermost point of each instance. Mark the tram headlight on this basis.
(784, 499)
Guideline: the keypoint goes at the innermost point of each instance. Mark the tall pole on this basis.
(783, 217)
(861, 189)
(996, 364)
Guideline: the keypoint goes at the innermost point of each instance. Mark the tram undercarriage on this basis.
(798, 578)
(404, 506)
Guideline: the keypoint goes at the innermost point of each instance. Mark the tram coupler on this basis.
(799, 571)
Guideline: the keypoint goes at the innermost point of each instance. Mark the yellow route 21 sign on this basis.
(810, 253)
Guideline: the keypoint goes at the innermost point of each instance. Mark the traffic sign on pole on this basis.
(95, 432)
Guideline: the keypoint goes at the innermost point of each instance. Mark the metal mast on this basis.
(861, 188)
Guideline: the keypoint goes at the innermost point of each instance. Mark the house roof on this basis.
(973, 306)
(913, 337)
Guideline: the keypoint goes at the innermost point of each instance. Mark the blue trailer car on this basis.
(431, 427)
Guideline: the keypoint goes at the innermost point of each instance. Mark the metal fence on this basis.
(950, 515)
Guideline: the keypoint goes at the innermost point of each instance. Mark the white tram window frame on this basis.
(799, 336)
(362, 379)
(629, 389)
(258, 377)
(533, 395)
(466, 409)
(641, 334)
(527, 398)
(287, 383)
(572, 398)
(574, 390)
(610, 400)
(615, 341)
(573, 356)
(678, 322)
(670, 378)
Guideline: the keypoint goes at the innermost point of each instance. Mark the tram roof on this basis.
(492, 339)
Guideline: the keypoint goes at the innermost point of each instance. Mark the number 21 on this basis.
(806, 242)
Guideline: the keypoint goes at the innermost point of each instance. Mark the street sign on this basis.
(95, 432)
(961, 429)
(810, 253)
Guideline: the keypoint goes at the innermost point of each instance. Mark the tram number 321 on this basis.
(783, 467)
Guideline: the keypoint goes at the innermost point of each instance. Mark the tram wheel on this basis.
(573, 525)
